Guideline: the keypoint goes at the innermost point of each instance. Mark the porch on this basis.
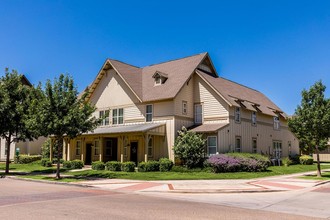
(138, 142)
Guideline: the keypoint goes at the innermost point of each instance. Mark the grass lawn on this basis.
(36, 171)
(325, 176)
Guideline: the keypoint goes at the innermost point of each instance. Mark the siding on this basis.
(263, 132)
(185, 94)
(213, 106)
(2, 150)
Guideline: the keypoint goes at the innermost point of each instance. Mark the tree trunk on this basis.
(8, 153)
(59, 145)
(318, 161)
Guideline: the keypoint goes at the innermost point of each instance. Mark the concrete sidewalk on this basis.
(269, 184)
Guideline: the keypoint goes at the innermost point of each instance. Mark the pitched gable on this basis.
(236, 94)
(177, 72)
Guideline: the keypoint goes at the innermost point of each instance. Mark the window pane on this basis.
(149, 109)
(114, 112)
(212, 150)
(120, 120)
(121, 112)
(212, 141)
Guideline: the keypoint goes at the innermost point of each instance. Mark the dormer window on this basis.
(160, 78)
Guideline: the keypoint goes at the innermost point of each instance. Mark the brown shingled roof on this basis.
(232, 92)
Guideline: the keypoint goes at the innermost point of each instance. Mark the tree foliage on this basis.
(189, 147)
(311, 121)
(14, 110)
(61, 113)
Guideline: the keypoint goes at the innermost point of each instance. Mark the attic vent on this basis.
(160, 78)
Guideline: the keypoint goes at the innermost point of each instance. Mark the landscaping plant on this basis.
(189, 147)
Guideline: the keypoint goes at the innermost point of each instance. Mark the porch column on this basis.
(68, 156)
(146, 140)
(65, 147)
(122, 149)
(82, 149)
(101, 149)
(51, 150)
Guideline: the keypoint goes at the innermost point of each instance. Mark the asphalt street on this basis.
(21, 199)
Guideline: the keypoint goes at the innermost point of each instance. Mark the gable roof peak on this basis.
(200, 54)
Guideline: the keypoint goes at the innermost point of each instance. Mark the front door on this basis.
(134, 152)
(110, 153)
(88, 160)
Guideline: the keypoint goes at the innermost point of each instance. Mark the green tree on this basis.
(189, 147)
(311, 121)
(62, 113)
(14, 107)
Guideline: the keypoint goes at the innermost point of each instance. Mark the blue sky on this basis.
(277, 47)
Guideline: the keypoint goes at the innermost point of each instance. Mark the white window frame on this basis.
(237, 114)
(184, 107)
(150, 147)
(117, 119)
(150, 114)
(201, 114)
(78, 148)
(210, 146)
(277, 149)
(254, 145)
(277, 123)
(238, 148)
(254, 118)
(106, 115)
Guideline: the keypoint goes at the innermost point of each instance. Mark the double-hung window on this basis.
(78, 147)
(254, 118)
(149, 113)
(150, 147)
(237, 114)
(198, 113)
(238, 147)
(211, 145)
(277, 123)
(118, 116)
(254, 145)
(96, 147)
(184, 107)
(104, 115)
(277, 149)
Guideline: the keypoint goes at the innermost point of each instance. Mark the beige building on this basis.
(145, 107)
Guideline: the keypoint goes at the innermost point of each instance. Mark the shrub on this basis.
(113, 165)
(128, 166)
(46, 163)
(142, 167)
(237, 162)
(165, 164)
(24, 159)
(306, 160)
(286, 161)
(189, 148)
(45, 149)
(55, 161)
(224, 163)
(152, 166)
(98, 165)
(74, 164)
(252, 162)
(295, 158)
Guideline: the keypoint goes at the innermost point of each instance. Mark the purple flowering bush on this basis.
(221, 163)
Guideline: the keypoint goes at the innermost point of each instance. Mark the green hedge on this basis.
(128, 166)
(165, 164)
(306, 160)
(113, 165)
(46, 163)
(74, 164)
(24, 159)
(98, 165)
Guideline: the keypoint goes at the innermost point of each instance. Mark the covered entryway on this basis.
(134, 152)
(88, 159)
(110, 149)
